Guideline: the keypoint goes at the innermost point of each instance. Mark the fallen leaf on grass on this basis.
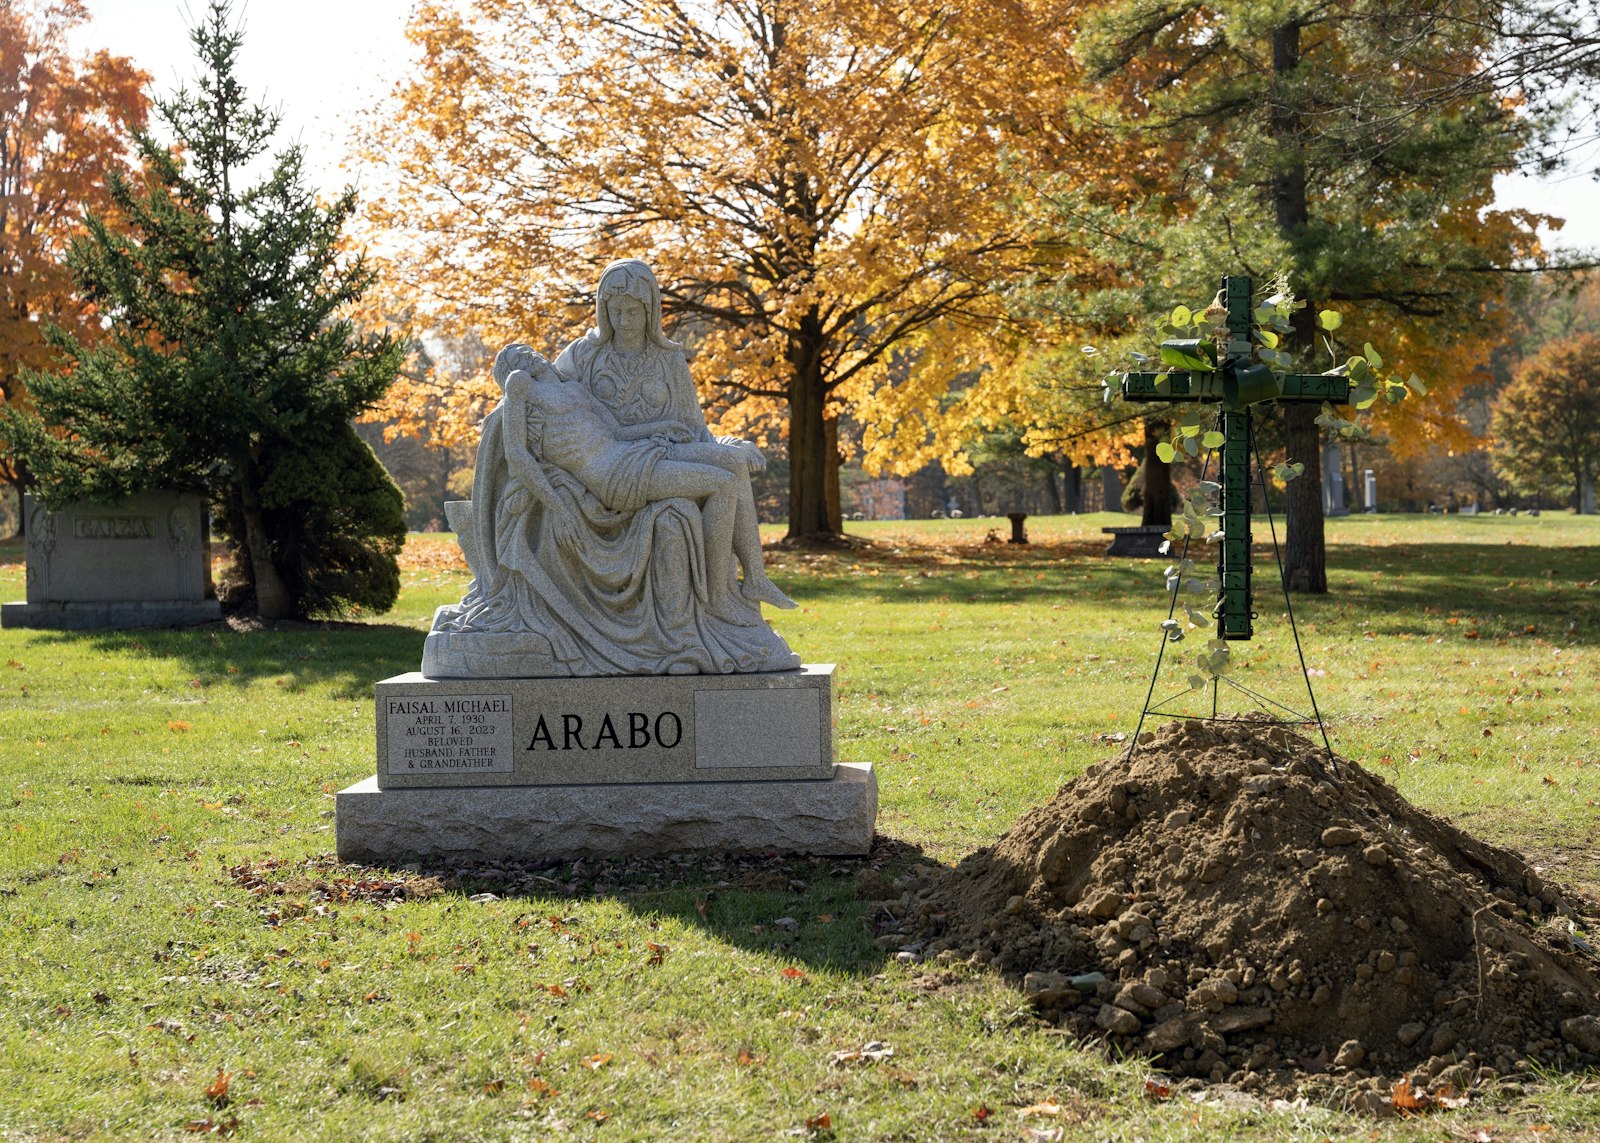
(1043, 1107)
(793, 973)
(1156, 1091)
(1410, 1100)
(177, 726)
(598, 1061)
(869, 1053)
(597, 1115)
(468, 969)
(658, 953)
(217, 1093)
(981, 1112)
(542, 1088)
(823, 1122)
(745, 1060)
(494, 1087)
(208, 1126)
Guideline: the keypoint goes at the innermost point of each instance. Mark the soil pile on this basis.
(1259, 911)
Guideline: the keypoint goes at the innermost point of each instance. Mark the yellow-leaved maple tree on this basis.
(63, 125)
(821, 186)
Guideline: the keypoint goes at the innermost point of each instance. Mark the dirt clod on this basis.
(1252, 900)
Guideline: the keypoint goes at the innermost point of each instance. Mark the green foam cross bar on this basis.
(1238, 383)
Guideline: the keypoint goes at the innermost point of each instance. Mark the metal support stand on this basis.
(1234, 568)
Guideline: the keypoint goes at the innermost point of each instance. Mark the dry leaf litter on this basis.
(1247, 910)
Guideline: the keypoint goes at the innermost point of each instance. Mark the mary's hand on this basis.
(753, 456)
(564, 528)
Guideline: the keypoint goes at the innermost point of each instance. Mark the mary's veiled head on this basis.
(631, 278)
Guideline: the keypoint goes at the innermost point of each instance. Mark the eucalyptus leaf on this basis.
(1268, 338)
(1330, 320)
(1190, 447)
(1372, 356)
(1181, 316)
(1416, 383)
(1166, 452)
(1196, 682)
(1194, 362)
(1213, 439)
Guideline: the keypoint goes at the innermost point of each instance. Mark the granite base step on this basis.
(829, 817)
(110, 615)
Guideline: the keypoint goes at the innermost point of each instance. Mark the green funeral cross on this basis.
(1237, 383)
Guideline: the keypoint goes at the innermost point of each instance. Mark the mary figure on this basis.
(622, 572)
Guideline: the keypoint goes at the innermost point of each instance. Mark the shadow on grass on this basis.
(839, 913)
(347, 657)
(1510, 591)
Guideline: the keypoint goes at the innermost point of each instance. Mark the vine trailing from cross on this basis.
(1224, 362)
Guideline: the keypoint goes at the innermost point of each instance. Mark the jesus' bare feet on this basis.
(758, 588)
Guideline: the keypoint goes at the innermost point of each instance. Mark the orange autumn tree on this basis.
(64, 123)
(822, 188)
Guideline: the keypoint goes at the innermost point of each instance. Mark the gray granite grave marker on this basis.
(141, 563)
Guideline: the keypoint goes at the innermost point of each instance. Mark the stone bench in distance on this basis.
(1140, 540)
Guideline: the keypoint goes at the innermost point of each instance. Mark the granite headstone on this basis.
(142, 562)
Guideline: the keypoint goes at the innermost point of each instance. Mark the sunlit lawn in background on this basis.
(1455, 656)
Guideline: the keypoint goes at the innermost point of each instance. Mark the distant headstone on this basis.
(607, 683)
(144, 562)
(1333, 503)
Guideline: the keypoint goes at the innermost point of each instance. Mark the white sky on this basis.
(323, 62)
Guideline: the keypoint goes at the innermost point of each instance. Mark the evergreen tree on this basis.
(1337, 145)
(228, 369)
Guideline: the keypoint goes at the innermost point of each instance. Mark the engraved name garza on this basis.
(639, 732)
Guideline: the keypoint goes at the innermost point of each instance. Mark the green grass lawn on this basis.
(170, 909)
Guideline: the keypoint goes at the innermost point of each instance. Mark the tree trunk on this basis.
(1305, 554)
(1052, 493)
(1305, 557)
(272, 597)
(22, 517)
(1072, 488)
(814, 510)
(1157, 475)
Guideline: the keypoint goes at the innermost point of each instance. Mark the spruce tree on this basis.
(229, 368)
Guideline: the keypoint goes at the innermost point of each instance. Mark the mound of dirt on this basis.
(1242, 908)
